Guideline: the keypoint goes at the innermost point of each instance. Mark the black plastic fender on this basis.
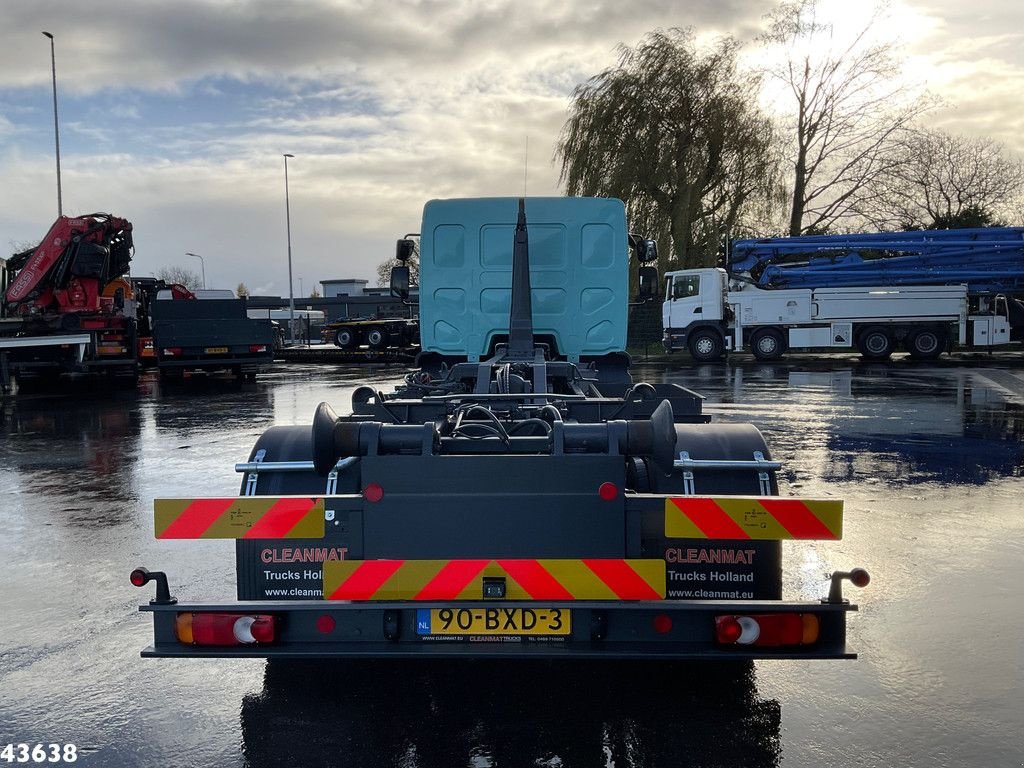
(736, 442)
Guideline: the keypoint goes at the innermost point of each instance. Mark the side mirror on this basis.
(404, 249)
(646, 251)
(647, 283)
(400, 281)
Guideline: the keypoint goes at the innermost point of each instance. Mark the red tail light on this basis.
(608, 491)
(257, 347)
(172, 351)
(373, 493)
(225, 628)
(767, 629)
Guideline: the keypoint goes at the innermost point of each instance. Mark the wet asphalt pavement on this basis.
(929, 459)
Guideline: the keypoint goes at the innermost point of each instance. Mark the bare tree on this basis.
(242, 290)
(18, 247)
(948, 181)
(180, 275)
(675, 132)
(849, 108)
(384, 269)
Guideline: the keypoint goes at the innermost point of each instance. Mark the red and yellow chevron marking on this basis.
(247, 517)
(524, 579)
(764, 517)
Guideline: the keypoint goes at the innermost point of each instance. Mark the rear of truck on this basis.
(66, 306)
(501, 506)
(209, 335)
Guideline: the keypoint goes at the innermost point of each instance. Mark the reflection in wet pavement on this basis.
(445, 714)
(929, 458)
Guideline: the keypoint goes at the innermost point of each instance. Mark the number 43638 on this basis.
(39, 753)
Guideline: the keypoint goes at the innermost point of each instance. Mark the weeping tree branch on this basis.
(675, 132)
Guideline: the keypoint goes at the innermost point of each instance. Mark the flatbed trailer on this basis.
(373, 334)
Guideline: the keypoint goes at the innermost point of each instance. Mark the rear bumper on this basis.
(198, 361)
(600, 630)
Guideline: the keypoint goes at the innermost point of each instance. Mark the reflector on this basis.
(373, 493)
(608, 491)
(662, 623)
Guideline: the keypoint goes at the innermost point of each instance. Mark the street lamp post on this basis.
(288, 224)
(201, 264)
(56, 131)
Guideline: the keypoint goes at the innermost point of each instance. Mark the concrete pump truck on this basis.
(926, 292)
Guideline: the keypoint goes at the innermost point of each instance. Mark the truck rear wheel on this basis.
(345, 338)
(876, 343)
(706, 345)
(926, 344)
(768, 344)
(377, 338)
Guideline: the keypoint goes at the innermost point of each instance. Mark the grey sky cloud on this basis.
(384, 106)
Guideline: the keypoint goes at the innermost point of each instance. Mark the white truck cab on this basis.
(693, 315)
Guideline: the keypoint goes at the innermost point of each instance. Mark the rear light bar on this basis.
(767, 629)
(257, 347)
(172, 351)
(225, 628)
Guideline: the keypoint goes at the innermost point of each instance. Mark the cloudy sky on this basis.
(175, 115)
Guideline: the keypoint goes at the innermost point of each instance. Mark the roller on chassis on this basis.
(519, 494)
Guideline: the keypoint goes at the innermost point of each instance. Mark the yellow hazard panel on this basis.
(248, 517)
(761, 518)
(442, 580)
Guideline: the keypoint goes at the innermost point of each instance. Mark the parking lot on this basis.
(929, 458)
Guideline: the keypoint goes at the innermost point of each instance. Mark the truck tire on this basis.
(345, 338)
(706, 345)
(768, 344)
(926, 343)
(876, 343)
(377, 338)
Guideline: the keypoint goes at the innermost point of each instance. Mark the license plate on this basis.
(216, 350)
(494, 621)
